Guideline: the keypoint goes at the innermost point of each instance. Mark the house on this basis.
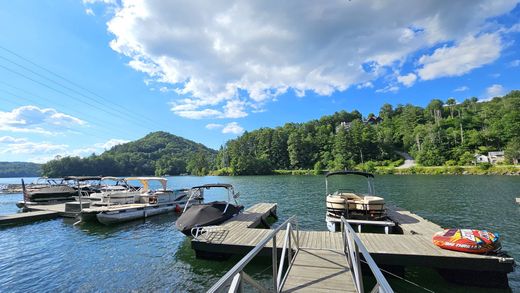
(496, 157)
(374, 120)
(344, 125)
(481, 158)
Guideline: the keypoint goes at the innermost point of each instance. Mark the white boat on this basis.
(146, 202)
(357, 208)
(115, 190)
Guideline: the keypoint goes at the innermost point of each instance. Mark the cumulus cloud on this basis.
(10, 139)
(461, 89)
(514, 63)
(407, 80)
(495, 90)
(110, 143)
(226, 57)
(214, 126)
(233, 128)
(28, 147)
(470, 53)
(37, 120)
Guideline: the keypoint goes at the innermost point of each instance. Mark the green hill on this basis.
(158, 153)
(19, 169)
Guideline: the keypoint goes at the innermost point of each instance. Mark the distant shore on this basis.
(433, 170)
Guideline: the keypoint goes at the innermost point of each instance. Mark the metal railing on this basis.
(236, 277)
(352, 246)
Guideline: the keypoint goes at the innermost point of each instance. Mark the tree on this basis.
(512, 150)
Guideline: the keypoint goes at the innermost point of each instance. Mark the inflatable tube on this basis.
(467, 240)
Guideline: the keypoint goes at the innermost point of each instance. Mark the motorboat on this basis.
(210, 213)
(46, 191)
(135, 201)
(356, 207)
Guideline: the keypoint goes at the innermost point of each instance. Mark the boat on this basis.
(114, 190)
(146, 202)
(359, 208)
(210, 213)
(467, 240)
(46, 191)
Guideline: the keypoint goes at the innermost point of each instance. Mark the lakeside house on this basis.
(492, 157)
(371, 120)
(496, 157)
(481, 158)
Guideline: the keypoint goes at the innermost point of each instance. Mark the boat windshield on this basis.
(349, 183)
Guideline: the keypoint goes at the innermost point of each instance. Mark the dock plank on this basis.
(319, 270)
(27, 217)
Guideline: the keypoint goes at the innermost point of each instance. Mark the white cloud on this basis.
(228, 56)
(495, 90)
(89, 11)
(388, 89)
(514, 63)
(37, 120)
(461, 89)
(214, 126)
(110, 143)
(10, 139)
(407, 80)
(364, 85)
(233, 127)
(470, 53)
(28, 147)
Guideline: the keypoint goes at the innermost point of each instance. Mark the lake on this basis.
(151, 255)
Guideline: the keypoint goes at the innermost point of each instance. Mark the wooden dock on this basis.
(319, 270)
(414, 247)
(27, 217)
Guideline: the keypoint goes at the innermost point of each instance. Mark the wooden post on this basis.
(79, 197)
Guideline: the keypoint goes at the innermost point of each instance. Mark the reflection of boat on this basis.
(211, 213)
(136, 202)
(354, 206)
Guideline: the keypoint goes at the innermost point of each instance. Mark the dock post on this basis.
(79, 197)
(275, 265)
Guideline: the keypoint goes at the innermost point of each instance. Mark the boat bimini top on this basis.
(145, 181)
(369, 176)
(198, 191)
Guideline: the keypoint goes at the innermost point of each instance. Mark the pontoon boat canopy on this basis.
(144, 181)
(347, 172)
(224, 185)
(82, 178)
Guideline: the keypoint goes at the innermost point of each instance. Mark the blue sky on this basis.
(77, 77)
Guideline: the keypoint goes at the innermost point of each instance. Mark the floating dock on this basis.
(413, 247)
(28, 217)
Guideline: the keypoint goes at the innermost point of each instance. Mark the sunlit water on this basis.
(151, 255)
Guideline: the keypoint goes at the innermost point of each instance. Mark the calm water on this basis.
(151, 255)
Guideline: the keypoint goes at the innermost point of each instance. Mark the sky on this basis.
(78, 77)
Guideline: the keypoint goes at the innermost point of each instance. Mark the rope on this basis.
(401, 278)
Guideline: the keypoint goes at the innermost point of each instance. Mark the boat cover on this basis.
(207, 214)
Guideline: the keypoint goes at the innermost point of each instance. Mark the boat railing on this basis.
(234, 279)
(352, 246)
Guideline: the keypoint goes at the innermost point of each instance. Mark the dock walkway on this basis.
(319, 270)
(27, 217)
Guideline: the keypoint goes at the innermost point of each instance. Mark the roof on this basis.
(501, 153)
(224, 185)
(350, 172)
(144, 181)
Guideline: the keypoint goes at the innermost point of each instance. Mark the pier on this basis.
(411, 247)
(28, 217)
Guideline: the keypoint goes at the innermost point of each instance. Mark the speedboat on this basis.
(211, 213)
(354, 206)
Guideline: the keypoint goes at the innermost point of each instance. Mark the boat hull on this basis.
(120, 216)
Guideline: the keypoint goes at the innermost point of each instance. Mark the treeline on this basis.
(158, 153)
(442, 133)
(19, 169)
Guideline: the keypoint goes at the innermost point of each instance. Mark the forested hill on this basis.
(442, 133)
(19, 169)
(158, 153)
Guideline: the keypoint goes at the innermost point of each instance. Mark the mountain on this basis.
(19, 169)
(158, 153)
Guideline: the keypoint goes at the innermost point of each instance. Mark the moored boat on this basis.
(207, 214)
(361, 208)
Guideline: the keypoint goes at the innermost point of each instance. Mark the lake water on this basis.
(151, 255)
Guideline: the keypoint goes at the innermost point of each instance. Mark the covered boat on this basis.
(211, 213)
(54, 191)
(351, 204)
(467, 240)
